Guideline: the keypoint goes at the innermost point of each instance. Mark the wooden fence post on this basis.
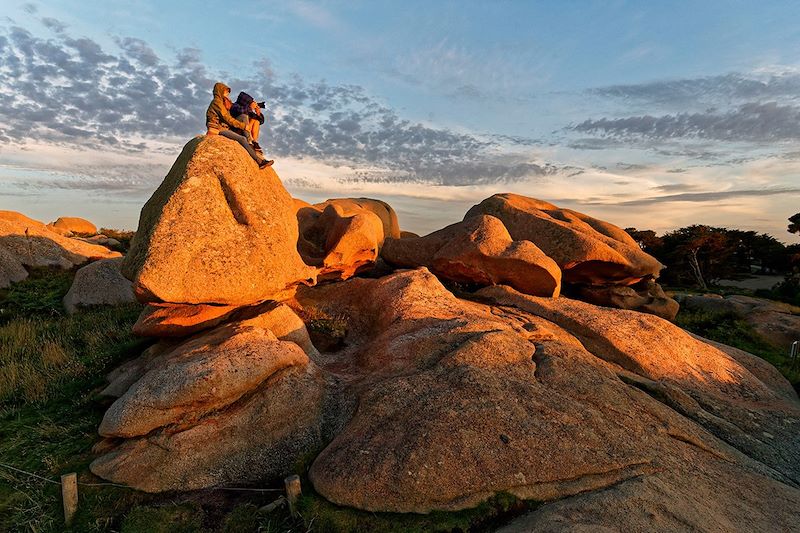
(293, 492)
(69, 495)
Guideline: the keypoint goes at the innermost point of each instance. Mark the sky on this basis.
(654, 115)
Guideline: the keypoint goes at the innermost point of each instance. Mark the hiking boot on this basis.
(257, 147)
(264, 163)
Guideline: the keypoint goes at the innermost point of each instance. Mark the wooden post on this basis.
(69, 495)
(293, 492)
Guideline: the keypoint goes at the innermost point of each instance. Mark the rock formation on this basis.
(646, 296)
(431, 401)
(11, 269)
(343, 236)
(74, 225)
(478, 250)
(586, 249)
(32, 244)
(228, 405)
(99, 283)
(596, 257)
(217, 230)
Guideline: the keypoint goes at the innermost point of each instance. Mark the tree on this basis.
(699, 254)
(647, 240)
(794, 223)
(757, 249)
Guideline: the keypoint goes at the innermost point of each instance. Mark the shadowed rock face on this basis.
(775, 322)
(478, 250)
(100, 283)
(217, 230)
(645, 296)
(11, 269)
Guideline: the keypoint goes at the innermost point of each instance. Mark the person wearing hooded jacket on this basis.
(246, 110)
(219, 121)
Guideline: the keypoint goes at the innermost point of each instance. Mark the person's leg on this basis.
(241, 139)
(255, 129)
(246, 119)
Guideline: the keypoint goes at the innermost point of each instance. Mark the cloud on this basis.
(71, 91)
(727, 88)
(752, 122)
(710, 196)
(676, 187)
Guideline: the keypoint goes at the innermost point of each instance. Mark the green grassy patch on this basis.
(728, 329)
(39, 295)
(326, 517)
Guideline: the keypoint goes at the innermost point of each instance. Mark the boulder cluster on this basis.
(66, 243)
(414, 374)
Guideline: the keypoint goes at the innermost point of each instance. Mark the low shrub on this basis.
(728, 329)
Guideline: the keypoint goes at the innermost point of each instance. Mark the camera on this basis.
(262, 105)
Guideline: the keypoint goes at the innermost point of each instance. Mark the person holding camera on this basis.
(248, 111)
(219, 121)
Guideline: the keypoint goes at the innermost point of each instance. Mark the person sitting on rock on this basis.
(247, 110)
(219, 122)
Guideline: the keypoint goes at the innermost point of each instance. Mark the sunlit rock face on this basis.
(74, 225)
(343, 236)
(586, 249)
(407, 392)
(30, 243)
(458, 400)
(597, 258)
(478, 250)
(539, 397)
(217, 230)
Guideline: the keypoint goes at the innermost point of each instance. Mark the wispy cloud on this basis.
(714, 90)
(752, 122)
(702, 197)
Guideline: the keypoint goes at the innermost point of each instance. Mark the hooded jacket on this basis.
(242, 107)
(217, 116)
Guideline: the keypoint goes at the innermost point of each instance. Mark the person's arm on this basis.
(255, 112)
(228, 119)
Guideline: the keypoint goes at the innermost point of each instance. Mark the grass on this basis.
(727, 328)
(326, 330)
(40, 295)
(329, 518)
(46, 355)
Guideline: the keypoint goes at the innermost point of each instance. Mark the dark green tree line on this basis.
(701, 255)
